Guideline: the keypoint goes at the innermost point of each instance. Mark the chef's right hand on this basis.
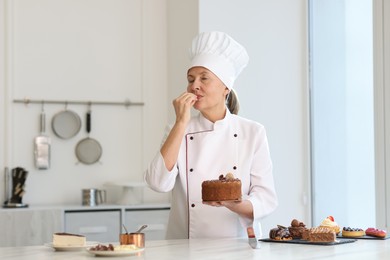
(182, 105)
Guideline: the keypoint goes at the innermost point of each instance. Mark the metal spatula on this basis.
(252, 240)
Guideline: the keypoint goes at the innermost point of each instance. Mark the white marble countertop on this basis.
(219, 249)
(70, 207)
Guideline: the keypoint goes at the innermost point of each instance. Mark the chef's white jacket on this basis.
(235, 145)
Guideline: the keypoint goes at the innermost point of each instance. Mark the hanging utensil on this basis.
(66, 123)
(42, 145)
(88, 150)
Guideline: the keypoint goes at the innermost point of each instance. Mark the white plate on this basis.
(71, 248)
(115, 252)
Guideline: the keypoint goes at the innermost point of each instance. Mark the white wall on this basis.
(272, 90)
(89, 50)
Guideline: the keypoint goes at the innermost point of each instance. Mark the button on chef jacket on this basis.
(233, 144)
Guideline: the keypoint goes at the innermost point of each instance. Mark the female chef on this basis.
(215, 142)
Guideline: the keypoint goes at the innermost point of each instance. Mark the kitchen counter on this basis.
(220, 249)
(91, 208)
(35, 225)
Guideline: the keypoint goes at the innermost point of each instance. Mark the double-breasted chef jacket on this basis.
(233, 144)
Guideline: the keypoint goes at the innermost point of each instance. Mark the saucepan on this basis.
(88, 150)
(136, 238)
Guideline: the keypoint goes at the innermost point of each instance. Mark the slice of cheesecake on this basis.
(67, 239)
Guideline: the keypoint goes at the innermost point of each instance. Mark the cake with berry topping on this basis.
(352, 232)
(224, 189)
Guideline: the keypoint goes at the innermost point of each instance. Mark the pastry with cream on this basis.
(330, 224)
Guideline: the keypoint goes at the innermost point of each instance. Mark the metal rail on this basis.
(126, 103)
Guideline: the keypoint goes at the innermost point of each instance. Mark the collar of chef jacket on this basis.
(220, 124)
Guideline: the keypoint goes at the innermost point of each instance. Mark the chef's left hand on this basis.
(243, 208)
(228, 204)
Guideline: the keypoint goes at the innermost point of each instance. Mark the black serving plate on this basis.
(305, 242)
(364, 237)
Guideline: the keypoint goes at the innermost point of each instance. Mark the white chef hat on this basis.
(219, 53)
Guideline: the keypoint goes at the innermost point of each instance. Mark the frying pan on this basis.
(66, 124)
(88, 150)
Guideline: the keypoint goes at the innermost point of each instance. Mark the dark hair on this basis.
(232, 102)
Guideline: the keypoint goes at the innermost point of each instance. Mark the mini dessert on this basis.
(280, 233)
(111, 247)
(352, 232)
(297, 228)
(374, 232)
(225, 188)
(320, 234)
(126, 247)
(101, 247)
(330, 224)
(67, 239)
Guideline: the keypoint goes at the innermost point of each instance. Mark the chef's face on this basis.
(209, 89)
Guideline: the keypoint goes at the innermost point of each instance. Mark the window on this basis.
(342, 111)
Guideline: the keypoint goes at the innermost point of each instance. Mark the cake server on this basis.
(252, 240)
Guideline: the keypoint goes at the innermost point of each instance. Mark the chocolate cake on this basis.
(223, 189)
(297, 228)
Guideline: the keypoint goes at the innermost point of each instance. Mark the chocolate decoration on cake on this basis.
(297, 228)
(280, 233)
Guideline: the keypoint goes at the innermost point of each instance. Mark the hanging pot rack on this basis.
(126, 103)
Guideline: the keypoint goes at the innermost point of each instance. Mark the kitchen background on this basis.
(113, 50)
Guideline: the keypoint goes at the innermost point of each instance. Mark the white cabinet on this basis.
(156, 219)
(99, 225)
(36, 225)
(26, 227)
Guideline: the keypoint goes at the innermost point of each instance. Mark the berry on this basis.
(331, 218)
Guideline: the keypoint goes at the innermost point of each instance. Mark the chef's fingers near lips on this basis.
(186, 98)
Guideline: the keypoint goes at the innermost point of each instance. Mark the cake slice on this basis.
(321, 234)
(67, 239)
